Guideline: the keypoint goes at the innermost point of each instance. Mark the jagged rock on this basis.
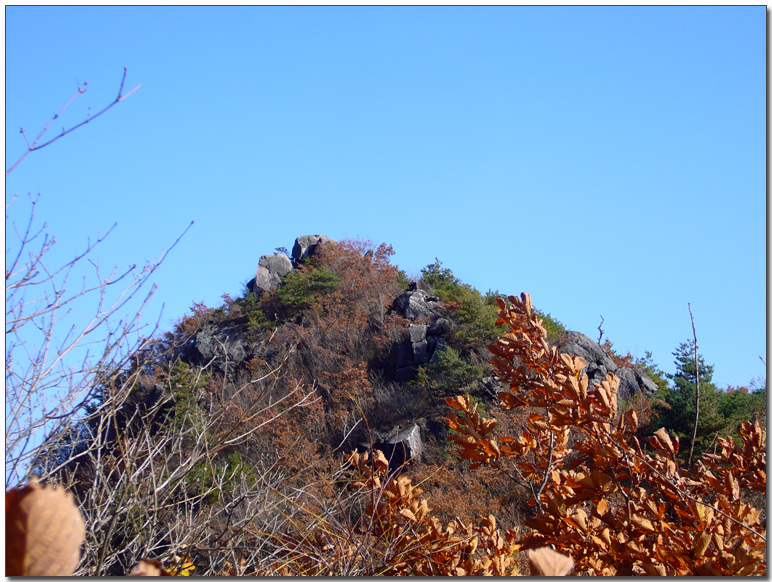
(270, 270)
(424, 339)
(418, 305)
(402, 447)
(632, 381)
(421, 353)
(305, 246)
(440, 343)
(420, 348)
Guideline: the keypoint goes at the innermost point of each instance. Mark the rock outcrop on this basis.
(418, 305)
(599, 363)
(271, 269)
(426, 339)
(632, 381)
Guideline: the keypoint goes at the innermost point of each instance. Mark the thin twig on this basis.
(696, 390)
(31, 147)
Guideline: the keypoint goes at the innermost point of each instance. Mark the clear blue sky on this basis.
(609, 161)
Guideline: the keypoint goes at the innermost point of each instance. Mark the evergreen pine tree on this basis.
(678, 413)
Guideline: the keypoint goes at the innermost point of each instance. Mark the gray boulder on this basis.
(270, 270)
(402, 446)
(305, 246)
(599, 363)
(223, 345)
(420, 348)
(425, 340)
(417, 333)
(440, 327)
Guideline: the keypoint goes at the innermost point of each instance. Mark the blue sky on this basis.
(609, 161)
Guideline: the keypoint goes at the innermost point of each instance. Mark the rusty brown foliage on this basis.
(599, 497)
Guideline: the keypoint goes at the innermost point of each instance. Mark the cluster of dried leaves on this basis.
(600, 496)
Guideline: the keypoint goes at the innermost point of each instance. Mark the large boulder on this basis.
(423, 346)
(270, 270)
(305, 246)
(402, 446)
(425, 340)
(599, 363)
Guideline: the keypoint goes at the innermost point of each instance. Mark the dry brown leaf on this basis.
(662, 441)
(631, 420)
(44, 531)
(548, 562)
(701, 543)
(704, 513)
(643, 523)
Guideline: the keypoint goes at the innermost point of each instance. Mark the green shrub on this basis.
(474, 314)
(441, 280)
(202, 480)
(305, 289)
(183, 381)
(450, 374)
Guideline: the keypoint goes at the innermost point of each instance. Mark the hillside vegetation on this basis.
(262, 437)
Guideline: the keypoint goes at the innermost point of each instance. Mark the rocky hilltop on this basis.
(409, 402)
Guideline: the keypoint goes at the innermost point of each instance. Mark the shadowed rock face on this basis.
(632, 381)
(223, 345)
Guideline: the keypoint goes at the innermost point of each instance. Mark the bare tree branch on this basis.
(31, 147)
